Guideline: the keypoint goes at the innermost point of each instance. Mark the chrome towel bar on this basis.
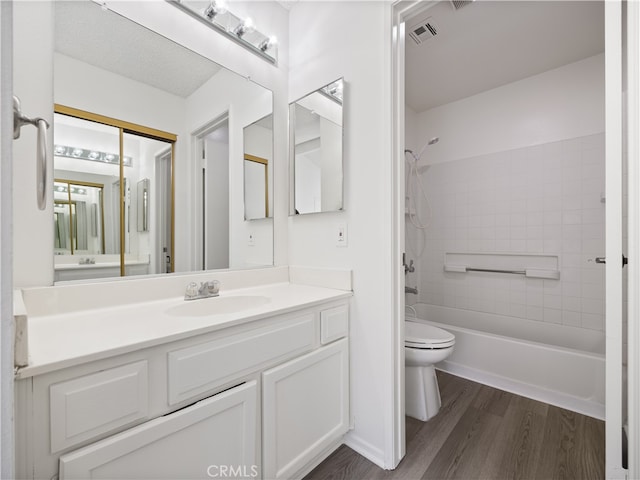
(549, 274)
(491, 270)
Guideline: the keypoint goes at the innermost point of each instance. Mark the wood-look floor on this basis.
(484, 433)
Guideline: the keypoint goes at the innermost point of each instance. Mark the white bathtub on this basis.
(556, 364)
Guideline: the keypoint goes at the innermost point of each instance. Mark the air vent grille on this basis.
(423, 30)
(458, 4)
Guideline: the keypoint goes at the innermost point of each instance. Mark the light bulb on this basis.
(218, 7)
(268, 43)
(245, 27)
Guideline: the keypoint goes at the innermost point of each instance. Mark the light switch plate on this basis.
(251, 241)
(341, 235)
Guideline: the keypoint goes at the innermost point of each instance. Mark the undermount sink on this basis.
(217, 305)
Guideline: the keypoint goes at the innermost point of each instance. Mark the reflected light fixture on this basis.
(91, 155)
(334, 91)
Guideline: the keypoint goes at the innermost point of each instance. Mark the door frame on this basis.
(399, 11)
(633, 236)
(613, 224)
(7, 434)
(165, 155)
(613, 71)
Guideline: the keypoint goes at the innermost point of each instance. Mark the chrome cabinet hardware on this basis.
(625, 260)
(19, 119)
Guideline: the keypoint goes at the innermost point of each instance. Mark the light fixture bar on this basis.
(90, 155)
(265, 47)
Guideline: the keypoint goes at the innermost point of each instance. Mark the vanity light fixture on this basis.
(91, 155)
(242, 31)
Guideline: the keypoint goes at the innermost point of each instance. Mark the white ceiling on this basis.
(491, 43)
(106, 40)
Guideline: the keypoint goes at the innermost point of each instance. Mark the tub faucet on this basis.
(413, 290)
(204, 290)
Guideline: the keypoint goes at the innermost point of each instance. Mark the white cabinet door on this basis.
(305, 408)
(212, 437)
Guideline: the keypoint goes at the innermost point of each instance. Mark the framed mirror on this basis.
(316, 133)
(148, 80)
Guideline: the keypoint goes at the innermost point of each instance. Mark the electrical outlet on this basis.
(341, 235)
(251, 241)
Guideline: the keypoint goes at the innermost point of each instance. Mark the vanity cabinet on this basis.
(305, 408)
(262, 399)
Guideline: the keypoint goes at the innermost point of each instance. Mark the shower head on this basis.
(433, 141)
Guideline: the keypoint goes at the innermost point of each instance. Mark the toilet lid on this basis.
(420, 335)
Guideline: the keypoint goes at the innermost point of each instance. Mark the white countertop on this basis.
(66, 339)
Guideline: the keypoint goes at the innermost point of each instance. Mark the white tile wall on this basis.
(541, 199)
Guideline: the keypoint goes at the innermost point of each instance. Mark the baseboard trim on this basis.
(569, 402)
(318, 459)
(364, 448)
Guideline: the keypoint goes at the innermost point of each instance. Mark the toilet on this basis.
(424, 346)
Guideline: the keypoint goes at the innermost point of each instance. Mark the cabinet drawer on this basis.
(88, 406)
(194, 370)
(194, 442)
(334, 324)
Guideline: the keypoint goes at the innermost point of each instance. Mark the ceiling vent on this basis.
(458, 4)
(423, 30)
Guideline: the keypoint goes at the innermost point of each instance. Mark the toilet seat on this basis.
(423, 336)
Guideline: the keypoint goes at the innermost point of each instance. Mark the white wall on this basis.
(245, 103)
(536, 200)
(33, 83)
(518, 169)
(567, 102)
(330, 40)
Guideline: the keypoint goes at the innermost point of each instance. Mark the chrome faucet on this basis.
(204, 290)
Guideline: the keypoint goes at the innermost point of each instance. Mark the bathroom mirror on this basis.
(258, 153)
(107, 64)
(316, 133)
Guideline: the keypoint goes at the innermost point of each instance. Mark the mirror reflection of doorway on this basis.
(212, 147)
